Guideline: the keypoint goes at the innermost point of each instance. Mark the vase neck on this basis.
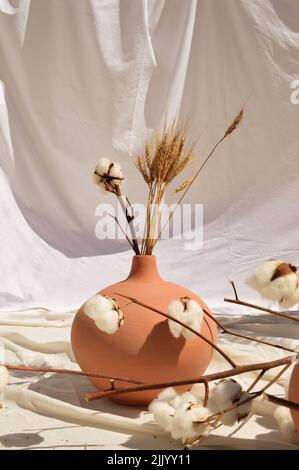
(144, 268)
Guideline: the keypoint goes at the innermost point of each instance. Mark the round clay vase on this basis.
(143, 347)
(294, 394)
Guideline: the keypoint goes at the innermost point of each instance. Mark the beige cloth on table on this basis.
(48, 410)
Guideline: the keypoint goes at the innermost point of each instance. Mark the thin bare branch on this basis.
(282, 401)
(242, 369)
(262, 309)
(169, 317)
(69, 371)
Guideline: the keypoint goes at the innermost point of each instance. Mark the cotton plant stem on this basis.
(241, 369)
(169, 317)
(250, 338)
(69, 371)
(117, 221)
(220, 413)
(282, 401)
(276, 377)
(256, 380)
(130, 219)
(207, 393)
(252, 396)
(235, 290)
(262, 309)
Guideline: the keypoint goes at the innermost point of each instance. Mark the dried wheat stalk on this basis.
(165, 156)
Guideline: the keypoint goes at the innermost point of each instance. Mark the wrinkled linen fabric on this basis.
(86, 79)
(48, 410)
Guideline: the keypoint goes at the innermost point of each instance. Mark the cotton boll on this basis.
(97, 305)
(193, 322)
(176, 402)
(175, 329)
(109, 322)
(283, 417)
(238, 413)
(102, 167)
(274, 279)
(263, 274)
(108, 176)
(187, 311)
(194, 319)
(163, 414)
(193, 306)
(290, 300)
(4, 377)
(175, 310)
(189, 423)
(225, 393)
(170, 396)
(167, 394)
(105, 313)
(117, 173)
(200, 414)
(284, 285)
(99, 182)
(188, 398)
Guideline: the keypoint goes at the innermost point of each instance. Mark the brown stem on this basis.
(207, 391)
(256, 380)
(276, 377)
(142, 304)
(235, 290)
(220, 413)
(263, 309)
(70, 371)
(242, 369)
(117, 221)
(130, 219)
(282, 401)
(250, 338)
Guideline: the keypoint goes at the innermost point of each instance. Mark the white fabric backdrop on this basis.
(83, 79)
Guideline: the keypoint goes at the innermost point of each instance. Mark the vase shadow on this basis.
(72, 389)
(149, 347)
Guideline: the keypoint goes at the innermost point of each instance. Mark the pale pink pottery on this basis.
(294, 394)
(143, 347)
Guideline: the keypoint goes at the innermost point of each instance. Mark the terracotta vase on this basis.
(143, 347)
(294, 394)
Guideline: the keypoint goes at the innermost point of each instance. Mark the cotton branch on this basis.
(128, 211)
(282, 401)
(262, 309)
(250, 338)
(242, 369)
(169, 317)
(69, 371)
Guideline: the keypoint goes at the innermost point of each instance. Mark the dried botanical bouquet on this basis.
(166, 155)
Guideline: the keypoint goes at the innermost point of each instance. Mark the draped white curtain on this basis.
(87, 78)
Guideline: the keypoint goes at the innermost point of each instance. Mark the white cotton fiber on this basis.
(187, 311)
(274, 280)
(290, 300)
(103, 311)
